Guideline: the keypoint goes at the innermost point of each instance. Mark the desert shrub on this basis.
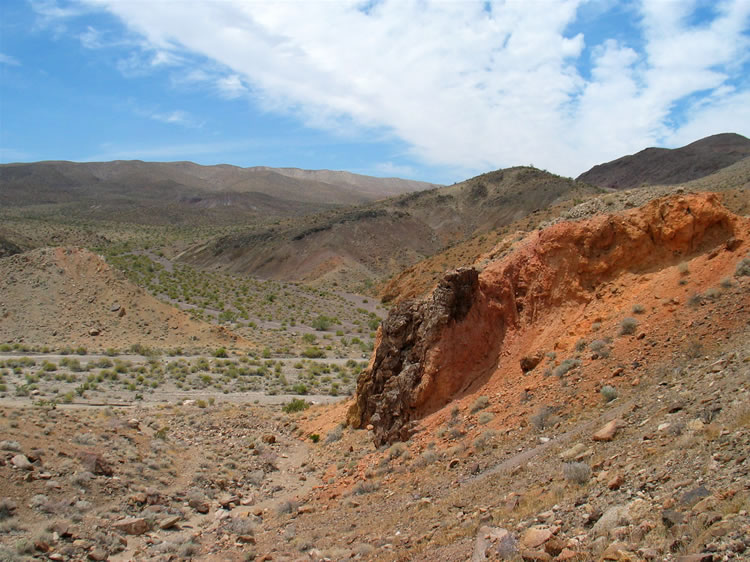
(712, 293)
(581, 344)
(300, 388)
(81, 479)
(364, 487)
(743, 268)
(638, 309)
(296, 405)
(695, 300)
(479, 404)
(484, 439)
(544, 417)
(7, 508)
(242, 526)
(576, 472)
(335, 434)
(726, 283)
(563, 368)
(314, 437)
(427, 458)
(485, 417)
(288, 506)
(322, 323)
(596, 326)
(313, 352)
(10, 446)
(608, 393)
(396, 450)
(628, 326)
(599, 347)
(683, 268)
(221, 353)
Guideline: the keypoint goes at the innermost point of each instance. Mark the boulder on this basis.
(131, 525)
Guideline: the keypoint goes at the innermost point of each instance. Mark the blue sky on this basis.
(429, 90)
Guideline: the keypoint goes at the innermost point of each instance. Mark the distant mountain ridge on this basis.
(381, 238)
(664, 166)
(159, 192)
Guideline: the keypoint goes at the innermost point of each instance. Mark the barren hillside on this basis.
(71, 297)
(184, 192)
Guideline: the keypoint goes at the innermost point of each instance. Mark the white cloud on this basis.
(460, 83)
(9, 60)
(231, 86)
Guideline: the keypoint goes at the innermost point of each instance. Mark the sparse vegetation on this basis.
(577, 472)
(628, 326)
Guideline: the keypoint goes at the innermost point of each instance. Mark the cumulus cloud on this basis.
(472, 84)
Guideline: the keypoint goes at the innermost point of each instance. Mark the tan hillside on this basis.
(70, 297)
(184, 192)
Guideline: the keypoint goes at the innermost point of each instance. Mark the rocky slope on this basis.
(470, 329)
(71, 297)
(662, 166)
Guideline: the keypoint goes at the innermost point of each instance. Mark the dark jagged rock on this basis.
(388, 391)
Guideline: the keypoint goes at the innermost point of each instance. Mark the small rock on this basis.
(608, 431)
(131, 525)
(530, 362)
(486, 538)
(269, 438)
(21, 462)
(573, 452)
(670, 518)
(453, 463)
(95, 463)
(692, 497)
(615, 516)
(535, 536)
(169, 522)
(97, 554)
(535, 556)
(616, 482)
(94, 332)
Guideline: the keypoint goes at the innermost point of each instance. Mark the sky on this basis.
(424, 89)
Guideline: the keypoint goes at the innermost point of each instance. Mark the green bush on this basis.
(296, 405)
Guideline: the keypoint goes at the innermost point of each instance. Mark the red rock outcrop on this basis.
(430, 351)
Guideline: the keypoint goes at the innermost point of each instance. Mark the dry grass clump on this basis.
(576, 472)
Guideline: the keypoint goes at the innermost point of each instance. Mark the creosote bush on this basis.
(296, 405)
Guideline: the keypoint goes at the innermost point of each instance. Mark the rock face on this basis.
(398, 384)
(428, 352)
